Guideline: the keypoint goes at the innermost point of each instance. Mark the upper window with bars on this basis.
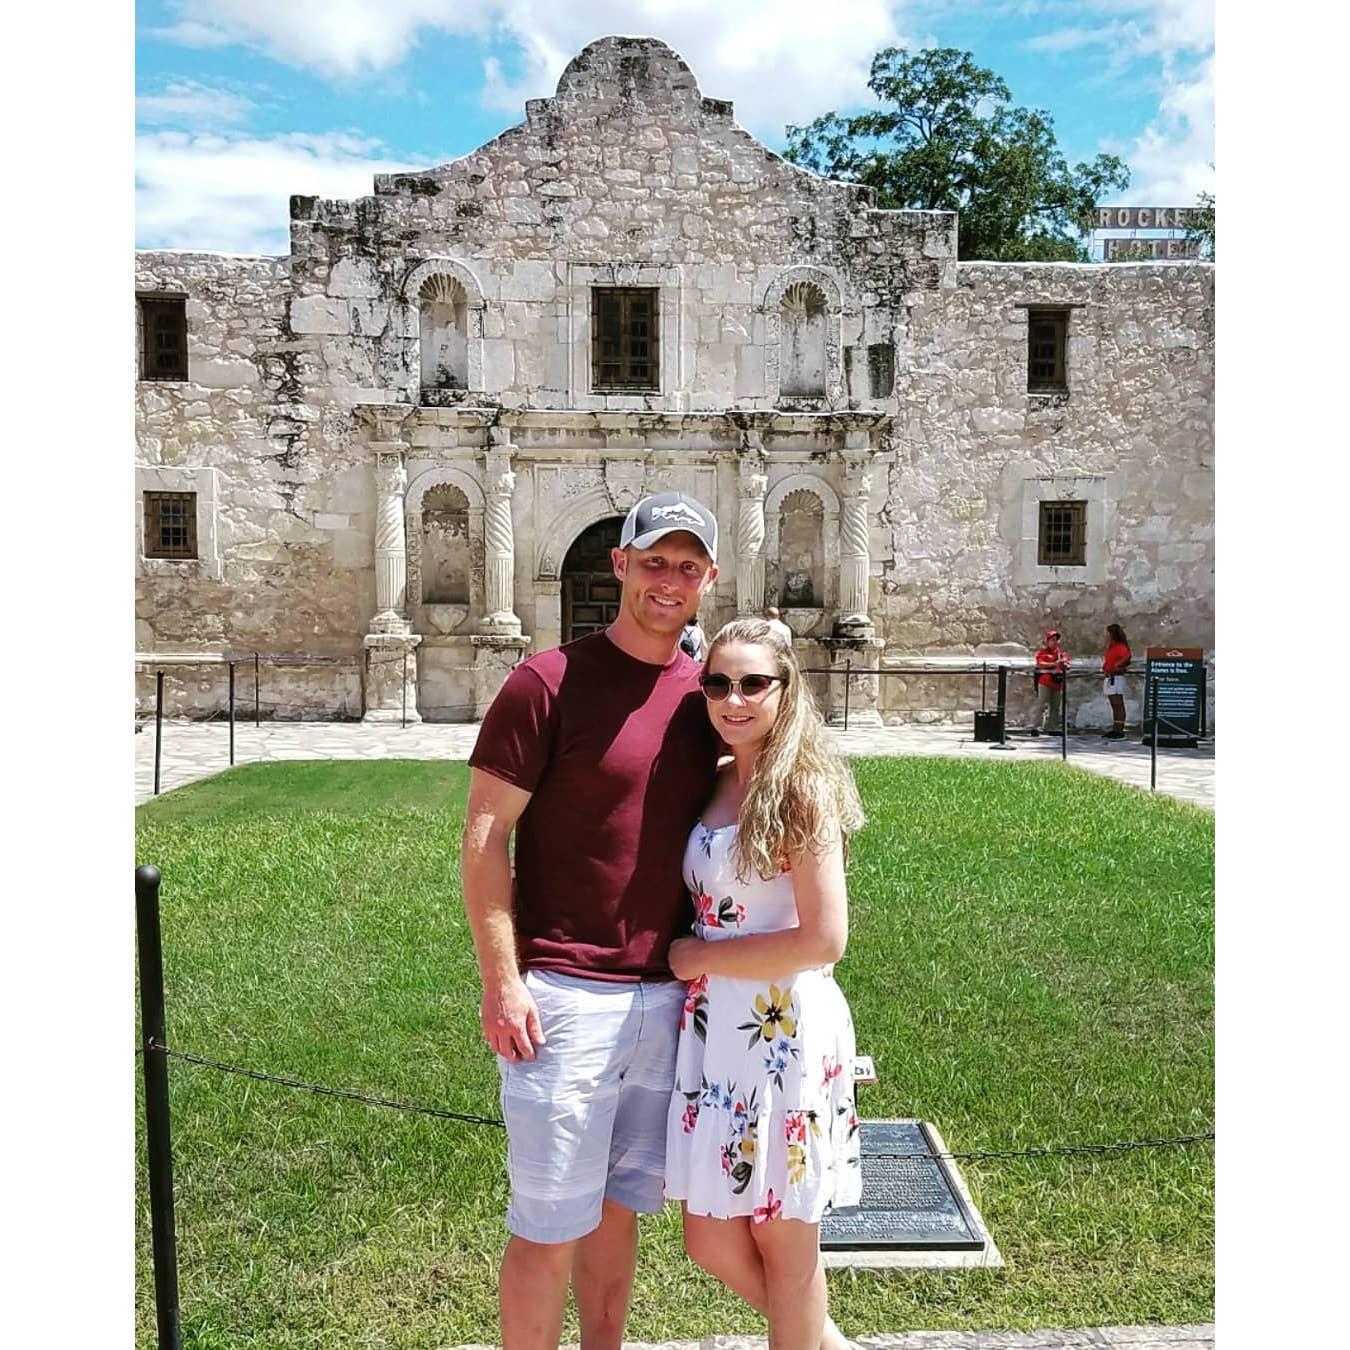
(1047, 334)
(163, 337)
(624, 343)
(1063, 535)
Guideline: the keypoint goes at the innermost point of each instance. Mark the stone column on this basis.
(390, 646)
(391, 549)
(754, 479)
(499, 544)
(854, 550)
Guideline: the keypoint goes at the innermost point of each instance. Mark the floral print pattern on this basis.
(762, 1122)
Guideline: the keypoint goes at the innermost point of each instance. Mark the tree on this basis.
(1201, 225)
(952, 140)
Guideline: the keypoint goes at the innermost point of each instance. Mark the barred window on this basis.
(1047, 331)
(163, 338)
(1063, 535)
(624, 353)
(170, 524)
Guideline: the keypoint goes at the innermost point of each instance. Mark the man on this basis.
(775, 621)
(600, 755)
(1051, 663)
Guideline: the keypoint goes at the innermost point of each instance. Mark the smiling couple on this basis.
(642, 1059)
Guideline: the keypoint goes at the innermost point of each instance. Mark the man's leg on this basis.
(533, 1293)
(603, 1267)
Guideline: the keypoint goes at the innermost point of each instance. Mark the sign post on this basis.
(1174, 695)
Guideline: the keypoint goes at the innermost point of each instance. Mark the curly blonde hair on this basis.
(801, 795)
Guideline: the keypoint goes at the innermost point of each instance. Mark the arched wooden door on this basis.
(590, 590)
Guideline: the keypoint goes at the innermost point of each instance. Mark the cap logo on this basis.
(677, 511)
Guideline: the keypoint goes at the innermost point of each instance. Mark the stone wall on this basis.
(918, 459)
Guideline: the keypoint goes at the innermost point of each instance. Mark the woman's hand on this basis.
(686, 958)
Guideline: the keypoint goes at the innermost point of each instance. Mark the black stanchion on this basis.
(1151, 699)
(848, 684)
(1064, 719)
(404, 716)
(1003, 705)
(231, 714)
(256, 704)
(984, 671)
(159, 722)
(156, 1074)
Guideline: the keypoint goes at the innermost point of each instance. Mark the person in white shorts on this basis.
(599, 755)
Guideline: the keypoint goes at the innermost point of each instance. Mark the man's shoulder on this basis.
(550, 665)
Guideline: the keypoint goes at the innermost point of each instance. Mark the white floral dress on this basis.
(762, 1121)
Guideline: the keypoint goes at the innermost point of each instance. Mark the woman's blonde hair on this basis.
(801, 795)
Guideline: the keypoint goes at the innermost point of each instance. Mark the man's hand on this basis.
(511, 1021)
(686, 958)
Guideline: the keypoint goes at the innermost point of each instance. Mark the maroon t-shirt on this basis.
(620, 758)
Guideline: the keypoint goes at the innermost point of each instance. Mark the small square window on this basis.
(1047, 332)
(163, 338)
(170, 524)
(1063, 535)
(624, 341)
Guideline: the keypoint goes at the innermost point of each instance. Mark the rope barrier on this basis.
(346, 1094)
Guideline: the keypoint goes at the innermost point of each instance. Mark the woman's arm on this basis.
(818, 940)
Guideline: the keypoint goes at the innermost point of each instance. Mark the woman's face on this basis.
(738, 719)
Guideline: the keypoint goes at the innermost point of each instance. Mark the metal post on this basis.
(404, 722)
(1003, 705)
(159, 722)
(255, 690)
(1153, 756)
(1204, 699)
(156, 1073)
(848, 681)
(984, 671)
(231, 714)
(1064, 718)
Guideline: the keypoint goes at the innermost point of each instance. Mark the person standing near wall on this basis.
(693, 640)
(775, 621)
(1114, 665)
(1051, 663)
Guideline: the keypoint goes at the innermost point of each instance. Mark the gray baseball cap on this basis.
(665, 513)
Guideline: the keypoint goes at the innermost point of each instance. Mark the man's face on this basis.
(663, 585)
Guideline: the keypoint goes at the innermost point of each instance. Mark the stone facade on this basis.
(395, 434)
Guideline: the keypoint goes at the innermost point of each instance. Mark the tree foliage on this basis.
(1201, 225)
(949, 138)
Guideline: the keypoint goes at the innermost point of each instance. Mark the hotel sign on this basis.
(1136, 250)
(1144, 217)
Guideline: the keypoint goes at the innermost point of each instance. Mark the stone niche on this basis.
(801, 552)
(443, 316)
(446, 551)
(802, 363)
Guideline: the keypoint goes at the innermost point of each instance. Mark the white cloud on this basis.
(188, 103)
(1173, 159)
(778, 61)
(231, 193)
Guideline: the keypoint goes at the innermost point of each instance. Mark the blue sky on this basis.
(242, 102)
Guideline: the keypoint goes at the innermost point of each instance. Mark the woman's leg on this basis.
(794, 1280)
(1117, 702)
(727, 1251)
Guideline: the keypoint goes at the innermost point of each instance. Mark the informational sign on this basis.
(1132, 250)
(1176, 676)
(1144, 217)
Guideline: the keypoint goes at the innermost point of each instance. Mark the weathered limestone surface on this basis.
(920, 447)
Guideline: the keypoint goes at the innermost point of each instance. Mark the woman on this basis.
(762, 1136)
(1114, 665)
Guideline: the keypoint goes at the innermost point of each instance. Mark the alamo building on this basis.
(406, 446)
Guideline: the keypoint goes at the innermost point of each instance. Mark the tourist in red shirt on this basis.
(599, 755)
(1114, 665)
(1051, 663)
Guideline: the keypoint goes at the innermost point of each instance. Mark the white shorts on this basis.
(1114, 684)
(586, 1118)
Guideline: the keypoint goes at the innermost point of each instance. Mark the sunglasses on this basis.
(718, 687)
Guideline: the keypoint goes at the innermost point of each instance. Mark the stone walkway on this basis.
(193, 750)
(1197, 1337)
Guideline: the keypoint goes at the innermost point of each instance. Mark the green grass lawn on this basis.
(1030, 963)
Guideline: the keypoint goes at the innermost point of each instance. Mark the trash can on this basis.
(989, 725)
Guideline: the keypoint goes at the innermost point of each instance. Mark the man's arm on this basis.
(509, 1016)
